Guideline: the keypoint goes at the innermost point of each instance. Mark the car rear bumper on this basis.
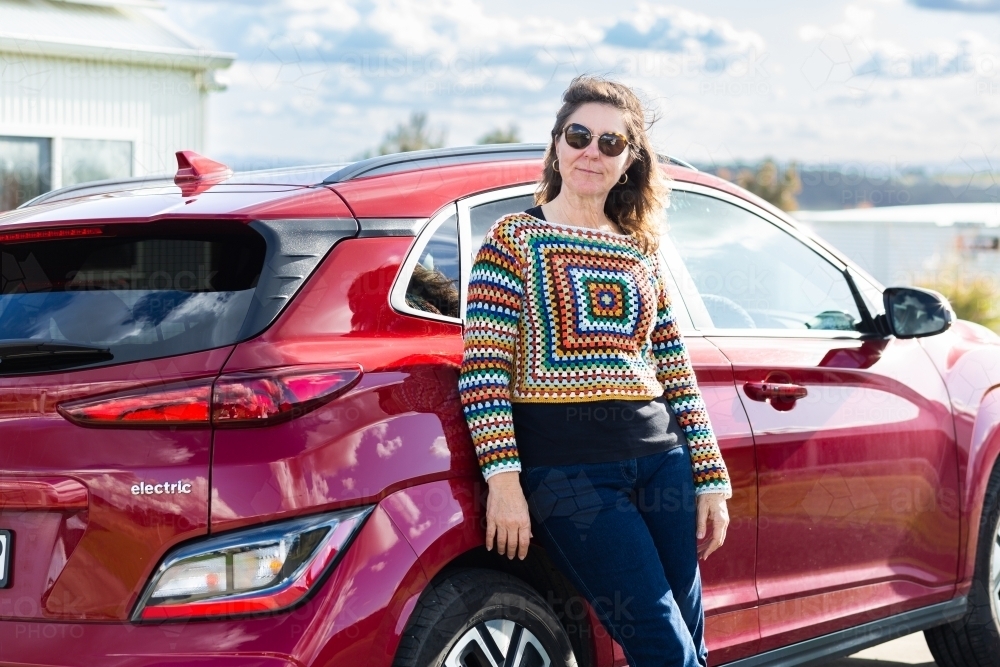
(125, 645)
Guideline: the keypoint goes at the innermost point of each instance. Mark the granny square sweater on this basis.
(563, 314)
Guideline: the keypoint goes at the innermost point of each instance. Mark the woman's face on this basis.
(588, 171)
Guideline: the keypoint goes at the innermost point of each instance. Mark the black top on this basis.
(592, 431)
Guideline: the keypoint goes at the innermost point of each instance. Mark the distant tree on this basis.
(511, 135)
(413, 135)
(974, 297)
(769, 184)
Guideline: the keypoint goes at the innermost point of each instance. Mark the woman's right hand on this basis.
(507, 516)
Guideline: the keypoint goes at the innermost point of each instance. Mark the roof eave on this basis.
(166, 57)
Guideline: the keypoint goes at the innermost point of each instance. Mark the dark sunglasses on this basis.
(579, 136)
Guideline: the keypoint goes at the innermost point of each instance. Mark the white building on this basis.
(899, 244)
(96, 89)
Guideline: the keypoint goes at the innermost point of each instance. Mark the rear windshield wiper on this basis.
(21, 355)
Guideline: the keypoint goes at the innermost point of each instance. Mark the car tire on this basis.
(473, 617)
(974, 640)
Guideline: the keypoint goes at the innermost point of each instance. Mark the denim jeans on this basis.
(624, 533)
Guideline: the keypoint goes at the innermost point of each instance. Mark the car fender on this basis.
(440, 521)
(968, 358)
(984, 451)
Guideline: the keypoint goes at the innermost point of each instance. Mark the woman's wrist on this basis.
(505, 478)
(502, 469)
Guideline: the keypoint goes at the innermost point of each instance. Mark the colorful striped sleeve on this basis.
(680, 388)
(492, 312)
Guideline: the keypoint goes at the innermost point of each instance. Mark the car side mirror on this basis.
(911, 312)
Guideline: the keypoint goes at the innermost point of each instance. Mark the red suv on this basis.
(230, 432)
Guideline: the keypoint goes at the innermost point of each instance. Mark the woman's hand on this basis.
(712, 506)
(507, 515)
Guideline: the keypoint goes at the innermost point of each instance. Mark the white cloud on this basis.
(678, 30)
(334, 15)
(854, 47)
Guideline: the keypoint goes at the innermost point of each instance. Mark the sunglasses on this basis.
(579, 137)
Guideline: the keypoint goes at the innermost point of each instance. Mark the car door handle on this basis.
(761, 391)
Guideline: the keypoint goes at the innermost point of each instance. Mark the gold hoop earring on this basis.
(555, 165)
(623, 180)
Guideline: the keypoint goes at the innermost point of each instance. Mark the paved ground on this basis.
(908, 651)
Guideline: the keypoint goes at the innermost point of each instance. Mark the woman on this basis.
(579, 393)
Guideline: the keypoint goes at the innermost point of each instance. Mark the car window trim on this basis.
(397, 293)
(294, 249)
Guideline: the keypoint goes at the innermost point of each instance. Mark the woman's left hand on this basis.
(712, 506)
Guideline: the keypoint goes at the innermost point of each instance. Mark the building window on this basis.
(25, 169)
(95, 160)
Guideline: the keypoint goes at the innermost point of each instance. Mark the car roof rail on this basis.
(435, 157)
(669, 159)
(441, 157)
(98, 187)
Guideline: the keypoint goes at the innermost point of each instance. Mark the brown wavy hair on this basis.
(636, 205)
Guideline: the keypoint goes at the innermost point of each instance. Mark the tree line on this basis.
(416, 134)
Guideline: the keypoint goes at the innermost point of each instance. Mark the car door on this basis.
(728, 575)
(855, 448)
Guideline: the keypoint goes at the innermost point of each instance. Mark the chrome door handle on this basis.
(761, 391)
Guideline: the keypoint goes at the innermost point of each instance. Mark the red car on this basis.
(230, 432)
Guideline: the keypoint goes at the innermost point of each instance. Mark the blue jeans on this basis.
(624, 533)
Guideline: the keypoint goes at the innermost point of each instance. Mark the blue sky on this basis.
(893, 82)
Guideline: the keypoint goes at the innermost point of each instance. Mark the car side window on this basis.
(750, 274)
(434, 283)
(482, 217)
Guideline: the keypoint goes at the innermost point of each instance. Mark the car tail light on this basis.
(265, 569)
(245, 399)
(171, 405)
(231, 401)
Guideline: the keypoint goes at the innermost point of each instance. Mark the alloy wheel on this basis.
(498, 643)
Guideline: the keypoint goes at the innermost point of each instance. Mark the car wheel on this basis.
(473, 617)
(974, 641)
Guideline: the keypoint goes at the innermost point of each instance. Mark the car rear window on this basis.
(138, 291)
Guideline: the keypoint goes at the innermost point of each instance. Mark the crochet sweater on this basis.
(557, 313)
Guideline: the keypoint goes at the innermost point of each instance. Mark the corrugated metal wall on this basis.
(161, 110)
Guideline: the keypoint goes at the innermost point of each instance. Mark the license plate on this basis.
(6, 543)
